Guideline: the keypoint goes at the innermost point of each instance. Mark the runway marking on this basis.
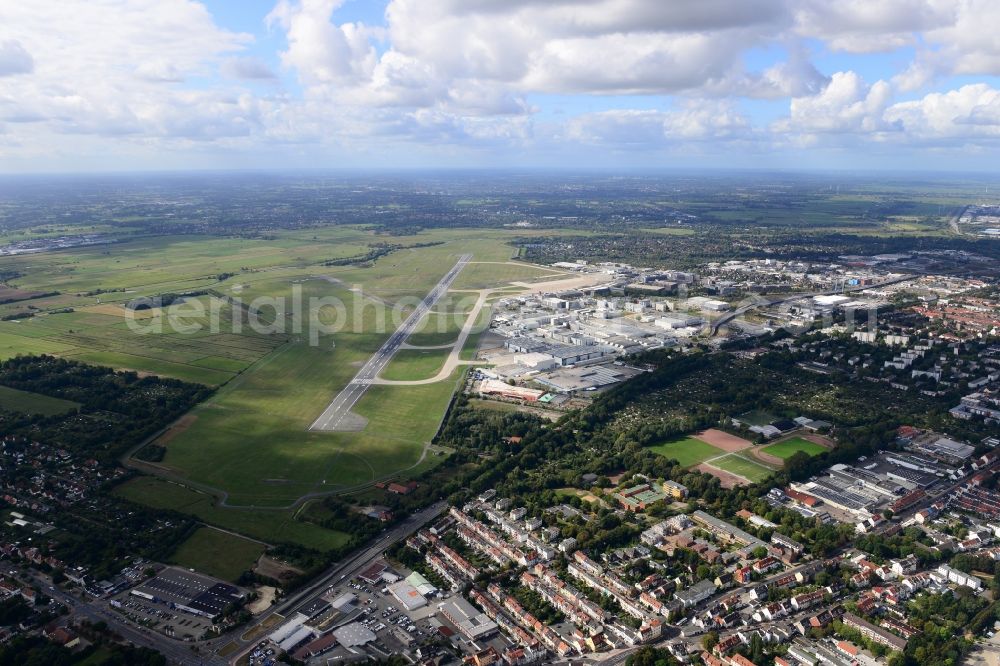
(340, 407)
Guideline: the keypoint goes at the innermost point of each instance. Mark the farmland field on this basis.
(790, 447)
(688, 451)
(14, 400)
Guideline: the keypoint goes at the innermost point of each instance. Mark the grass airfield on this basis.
(244, 459)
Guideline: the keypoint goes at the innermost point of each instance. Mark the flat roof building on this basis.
(407, 595)
(471, 622)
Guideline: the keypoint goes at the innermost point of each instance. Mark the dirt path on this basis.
(767, 458)
(723, 440)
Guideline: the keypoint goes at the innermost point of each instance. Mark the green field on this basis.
(218, 554)
(101, 334)
(250, 442)
(790, 447)
(267, 525)
(688, 451)
(488, 275)
(746, 468)
(13, 400)
(409, 364)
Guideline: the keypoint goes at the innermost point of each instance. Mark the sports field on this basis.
(688, 451)
(744, 467)
(790, 447)
(218, 554)
(13, 400)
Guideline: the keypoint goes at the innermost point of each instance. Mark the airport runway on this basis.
(333, 416)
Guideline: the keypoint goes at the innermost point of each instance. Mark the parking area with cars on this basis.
(379, 612)
(160, 617)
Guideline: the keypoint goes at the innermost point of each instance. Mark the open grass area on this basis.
(482, 275)
(268, 525)
(687, 451)
(13, 400)
(218, 554)
(442, 325)
(409, 364)
(493, 405)
(670, 231)
(746, 468)
(250, 440)
(790, 447)
(102, 335)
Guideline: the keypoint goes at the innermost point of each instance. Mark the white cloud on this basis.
(454, 74)
(696, 120)
(247, 68)
(867, 26)
(970, 112)
(14, 59)
(320, 51)
(448, 47)
(116, 68)
(846, 104)
(967, 44)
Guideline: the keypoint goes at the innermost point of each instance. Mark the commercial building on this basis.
(407, 595)
(471, 622)
(190, 592)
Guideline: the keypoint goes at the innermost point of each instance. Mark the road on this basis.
(201, 653)
(729, 316)
(340, 572)
(95, 611)
(340, 408)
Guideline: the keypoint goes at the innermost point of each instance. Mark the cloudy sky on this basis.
(94, 85)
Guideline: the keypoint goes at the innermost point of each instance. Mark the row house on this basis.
(545, 634)
(493, 611)
(570, 593)
(902, 628)
(787, 543)
(917, 581)
(773, 611)
(807, 599)
(462, 565)
(817, 621)
(766, 564)
(874, 633)
(443, 570)
(727, 644)
(563, 604)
